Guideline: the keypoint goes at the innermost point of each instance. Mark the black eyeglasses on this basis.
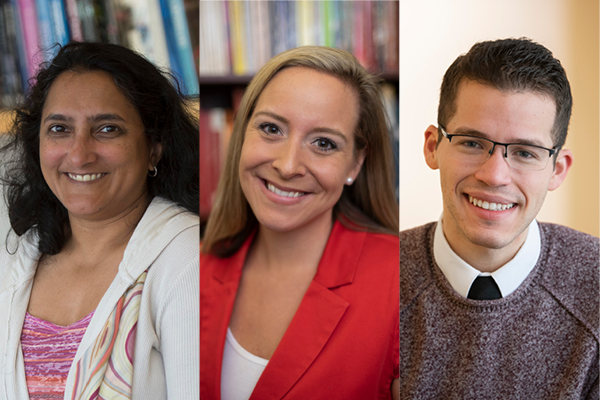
(477, 150)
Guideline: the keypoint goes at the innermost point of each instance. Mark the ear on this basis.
(430, 147)
(564, 160)
(358, 162)
(156, 150)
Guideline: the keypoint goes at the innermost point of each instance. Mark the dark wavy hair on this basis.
(164, 110)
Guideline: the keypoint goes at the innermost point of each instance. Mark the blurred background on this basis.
(434, 32)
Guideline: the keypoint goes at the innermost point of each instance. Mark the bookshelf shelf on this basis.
(226, 80)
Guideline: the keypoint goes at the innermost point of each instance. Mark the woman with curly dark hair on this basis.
(99, 287)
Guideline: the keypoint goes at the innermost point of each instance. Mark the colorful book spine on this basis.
(87, 16)
(13, 27)
(183, 45)
(160, 50)
(29, 28)
(263, 29)
(44, 23)
(60, 24)
(237, 29)
(74, 21)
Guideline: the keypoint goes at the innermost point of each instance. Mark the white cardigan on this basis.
(166, 363)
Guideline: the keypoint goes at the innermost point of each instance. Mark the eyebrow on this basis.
(93, 118)
(287, 122)
(475, 132)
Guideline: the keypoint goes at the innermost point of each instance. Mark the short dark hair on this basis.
(164, 111)
(510, 65)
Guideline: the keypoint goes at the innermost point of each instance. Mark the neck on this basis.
(97, 238)
(300, 249)
(482, 258)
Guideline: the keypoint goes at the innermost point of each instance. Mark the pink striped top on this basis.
(48, 351)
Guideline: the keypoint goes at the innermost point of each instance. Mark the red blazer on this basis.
(343, 340)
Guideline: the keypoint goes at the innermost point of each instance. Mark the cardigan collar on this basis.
(161, 222)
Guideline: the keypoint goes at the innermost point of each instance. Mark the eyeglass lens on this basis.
(520, 156)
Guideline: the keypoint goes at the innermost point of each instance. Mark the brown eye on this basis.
(270, 129)
(325, 144)
(110, 130)
(57, 129)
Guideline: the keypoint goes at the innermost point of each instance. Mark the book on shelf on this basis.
(158, 29)
(238, 37)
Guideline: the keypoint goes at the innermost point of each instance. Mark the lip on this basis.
(274, 197)
(490, 198)
(490, 215)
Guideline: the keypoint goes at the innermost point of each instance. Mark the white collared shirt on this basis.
(508, 277)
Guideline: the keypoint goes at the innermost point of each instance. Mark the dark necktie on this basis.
(484, 288)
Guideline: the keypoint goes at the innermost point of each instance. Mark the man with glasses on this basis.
(494, 305)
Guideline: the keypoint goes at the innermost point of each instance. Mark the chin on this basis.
(278, 225)
(491, 240)
(287, 223)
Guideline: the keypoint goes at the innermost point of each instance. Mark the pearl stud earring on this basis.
(349, 181)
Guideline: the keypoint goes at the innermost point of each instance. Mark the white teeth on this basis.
(275, 190)
(490, 206)
(86, 177)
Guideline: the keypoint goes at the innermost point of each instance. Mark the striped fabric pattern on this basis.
(105, 371)
(48, 351)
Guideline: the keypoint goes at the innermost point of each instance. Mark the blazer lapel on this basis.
(216, 305)
(317, 317)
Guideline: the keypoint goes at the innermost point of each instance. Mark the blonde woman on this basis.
(299, 263)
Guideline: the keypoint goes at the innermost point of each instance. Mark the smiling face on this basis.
(506, 117)
(94, 154)
(298, 149)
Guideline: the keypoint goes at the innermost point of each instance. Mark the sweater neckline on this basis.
(487, 305)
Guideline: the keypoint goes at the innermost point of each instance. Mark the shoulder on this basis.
(569, 241)
(570, 265)
(416, 247)
(166, 242)
(416, 240)
(382, 246)
(18, 258)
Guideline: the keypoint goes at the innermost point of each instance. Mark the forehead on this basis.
(310, 94)
(86, 91)
(504, 116)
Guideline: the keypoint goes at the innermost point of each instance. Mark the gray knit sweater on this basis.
(539, 342)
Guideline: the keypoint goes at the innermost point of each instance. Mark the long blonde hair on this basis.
(369, 204)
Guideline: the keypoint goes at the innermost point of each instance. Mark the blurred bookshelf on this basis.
(238, 37)
(164, 31)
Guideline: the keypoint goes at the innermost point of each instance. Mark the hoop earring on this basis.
(155, 172)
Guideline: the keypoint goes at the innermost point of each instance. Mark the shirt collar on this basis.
(508, 277)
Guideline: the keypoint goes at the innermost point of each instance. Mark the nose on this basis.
(495, 171)
(82, 150)
(288, 159)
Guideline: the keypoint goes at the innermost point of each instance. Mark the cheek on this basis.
(252, 154)
(50, 155)
(332, 175)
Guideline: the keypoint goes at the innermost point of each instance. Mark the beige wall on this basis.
(584, 141)
(434, 32)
